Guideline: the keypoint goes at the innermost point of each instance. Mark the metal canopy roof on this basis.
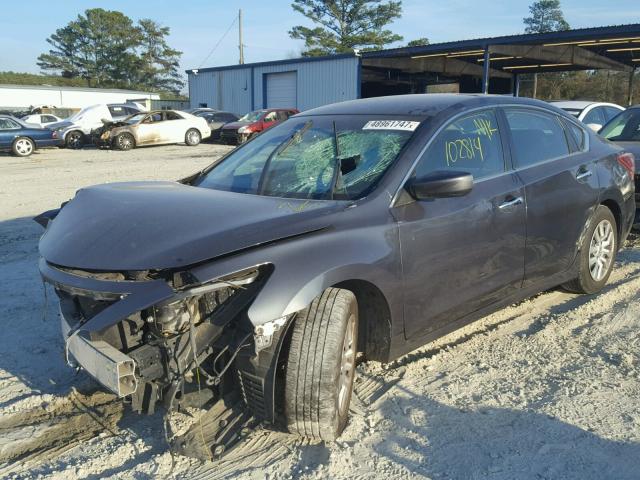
(613, 47)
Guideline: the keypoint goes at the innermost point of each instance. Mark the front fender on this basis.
(307, 265)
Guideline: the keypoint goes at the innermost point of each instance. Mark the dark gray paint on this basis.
(453, 259)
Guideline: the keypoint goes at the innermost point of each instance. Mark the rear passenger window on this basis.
(610, 112)
(536, 137)
(470, 144)
(578, 135)
(595, 116)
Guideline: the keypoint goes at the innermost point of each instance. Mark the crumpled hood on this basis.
(158, 225)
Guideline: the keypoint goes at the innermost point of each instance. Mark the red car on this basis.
(253, 123)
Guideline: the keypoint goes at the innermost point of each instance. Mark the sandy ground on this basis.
(545, 389)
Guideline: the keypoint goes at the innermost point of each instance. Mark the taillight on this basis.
(628, 162)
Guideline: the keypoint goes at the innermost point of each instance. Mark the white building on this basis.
(21, 97)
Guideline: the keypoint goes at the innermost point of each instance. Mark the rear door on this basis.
(461, 254)
(175, 127)
(561, 188)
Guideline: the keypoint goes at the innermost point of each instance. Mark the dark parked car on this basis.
(216, 121)
(370, 226)
(22, 139)
(624, 130)
(253, 123)
(198, 110)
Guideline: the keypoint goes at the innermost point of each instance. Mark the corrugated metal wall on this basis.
(319, 83)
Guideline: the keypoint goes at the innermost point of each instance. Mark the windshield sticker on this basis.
(404, 125)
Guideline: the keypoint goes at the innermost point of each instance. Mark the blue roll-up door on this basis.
(282, 90)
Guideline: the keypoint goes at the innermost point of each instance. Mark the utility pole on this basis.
(240, 45)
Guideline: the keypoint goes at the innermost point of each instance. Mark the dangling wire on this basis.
(192, 341)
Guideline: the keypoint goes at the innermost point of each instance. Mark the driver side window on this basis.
(470, 144)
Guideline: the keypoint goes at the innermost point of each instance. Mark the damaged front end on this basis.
(154, 337)
(102, 137)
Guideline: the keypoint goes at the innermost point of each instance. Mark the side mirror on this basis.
(440, 184)
(596, 127)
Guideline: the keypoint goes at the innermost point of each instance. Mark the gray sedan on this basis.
(367, 227)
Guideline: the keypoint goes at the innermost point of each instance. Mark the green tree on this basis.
(546, 16)
(159, 62)
(106, 49)
(418, 42)
(344, 25)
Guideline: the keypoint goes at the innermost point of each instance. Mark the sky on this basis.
(197, 25)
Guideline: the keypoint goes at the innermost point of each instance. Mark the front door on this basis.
(461, 254)
(561, 187)
(150, 129)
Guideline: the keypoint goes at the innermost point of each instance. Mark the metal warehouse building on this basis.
(301, 83)
(485, 65)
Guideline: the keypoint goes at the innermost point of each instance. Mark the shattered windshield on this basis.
(252, 116)
(313, 158)
(624, 127)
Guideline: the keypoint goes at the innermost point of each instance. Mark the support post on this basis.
(240, 45)
(632, 75)
(485, 71)
(516, 85)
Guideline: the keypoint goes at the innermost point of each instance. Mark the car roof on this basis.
(580, 104)
(419, 105)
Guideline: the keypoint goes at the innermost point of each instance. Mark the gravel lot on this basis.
(545, 389)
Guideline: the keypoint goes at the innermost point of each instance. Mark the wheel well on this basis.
(374, 316)
(617, 214)
(35, 146)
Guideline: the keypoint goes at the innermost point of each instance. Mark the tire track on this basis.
(39, 434)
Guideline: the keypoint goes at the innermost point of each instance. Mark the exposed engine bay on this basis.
(165, 338)
(101, 137)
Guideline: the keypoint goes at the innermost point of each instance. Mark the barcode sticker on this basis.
(405, 125)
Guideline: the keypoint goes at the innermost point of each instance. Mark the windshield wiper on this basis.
(279, 150)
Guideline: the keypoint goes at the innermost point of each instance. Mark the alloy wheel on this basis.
(24, 146)
(347, 365)
(601, 250)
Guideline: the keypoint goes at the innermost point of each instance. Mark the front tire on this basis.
(597, 253)
(321, 366)
(74, 140)
(23, 147)
(192, 137)
(124, 141)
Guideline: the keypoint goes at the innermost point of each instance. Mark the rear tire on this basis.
(23, 147)
(124, 141)
(597, 253)
(321, 366)
(192, 137)
(74, 139)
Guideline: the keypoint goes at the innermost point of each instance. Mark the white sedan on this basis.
(154, 128)
(592, 114)
(41, 119)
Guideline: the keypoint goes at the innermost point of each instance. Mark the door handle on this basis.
(583, 173)
(512, 202)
